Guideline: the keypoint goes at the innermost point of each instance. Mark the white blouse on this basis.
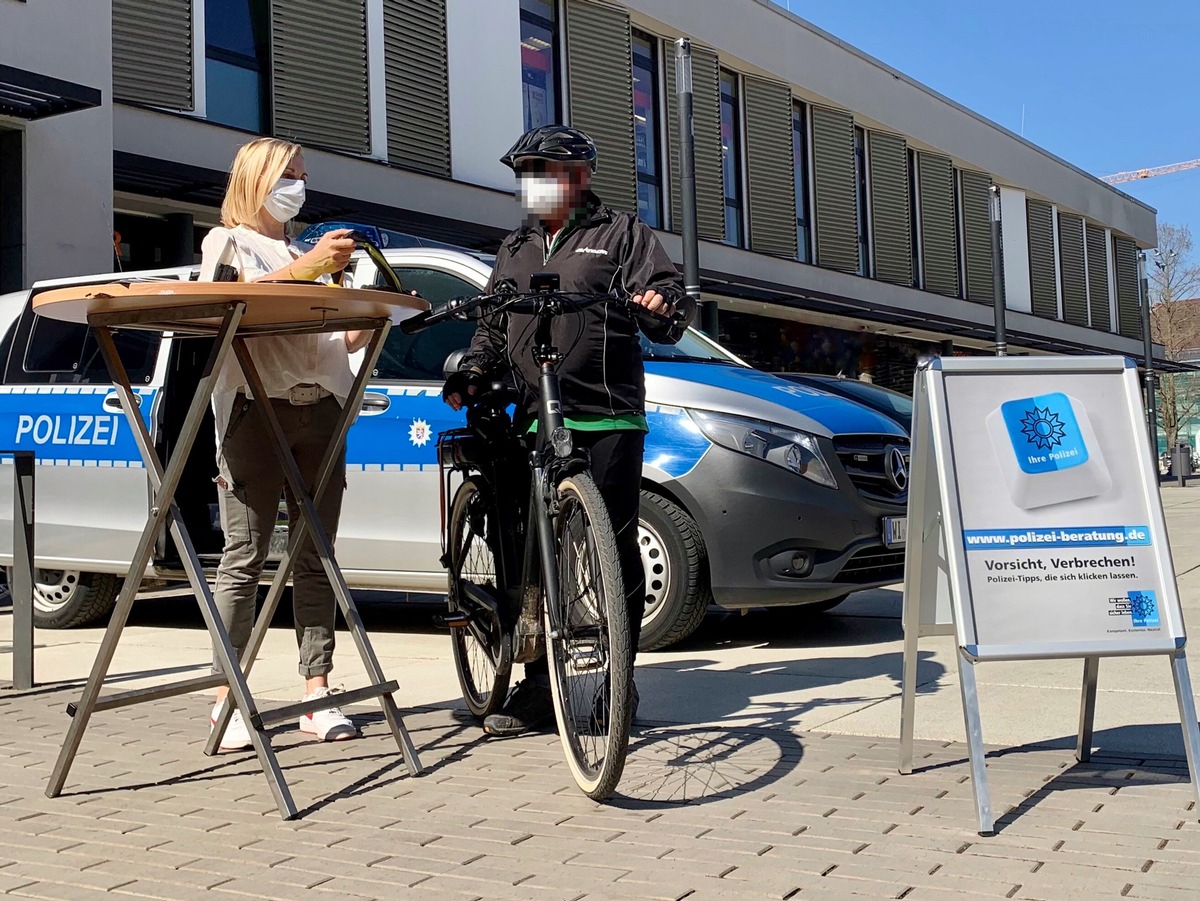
(283, 361)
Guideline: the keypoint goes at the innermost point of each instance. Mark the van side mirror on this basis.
(453, 362)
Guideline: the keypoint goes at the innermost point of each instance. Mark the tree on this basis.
(1174, 286)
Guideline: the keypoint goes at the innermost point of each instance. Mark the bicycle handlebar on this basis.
(533, 302)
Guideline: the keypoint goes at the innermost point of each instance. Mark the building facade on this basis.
(845, 210)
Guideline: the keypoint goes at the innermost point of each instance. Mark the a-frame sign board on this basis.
(1036, 531)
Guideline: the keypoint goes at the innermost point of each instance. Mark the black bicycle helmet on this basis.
(552, 142)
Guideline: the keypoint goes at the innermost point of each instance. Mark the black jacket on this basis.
(601, 373)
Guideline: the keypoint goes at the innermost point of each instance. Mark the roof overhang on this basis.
(30, 95)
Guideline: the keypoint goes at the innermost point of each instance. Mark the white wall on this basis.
(1014, 229)
(68, 158)
(486, 110)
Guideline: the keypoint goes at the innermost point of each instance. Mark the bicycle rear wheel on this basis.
(590, 645)
(482, 649)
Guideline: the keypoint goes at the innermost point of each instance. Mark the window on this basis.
(238, 63)
(800, 163)
(539, 62)
(731, 154)
(420, 357)
(645, 128)
(860, 178)
(67, 353)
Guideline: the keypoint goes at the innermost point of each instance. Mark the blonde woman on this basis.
(307, 379)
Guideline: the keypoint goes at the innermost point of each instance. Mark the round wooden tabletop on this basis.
(286, 305)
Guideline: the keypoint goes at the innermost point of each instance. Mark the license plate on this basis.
(895, 531)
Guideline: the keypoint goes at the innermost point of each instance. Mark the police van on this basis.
(756, 491)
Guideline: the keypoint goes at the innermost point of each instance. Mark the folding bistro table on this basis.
(230, 313)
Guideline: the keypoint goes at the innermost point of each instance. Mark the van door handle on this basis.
(113, 402)
(374, 404)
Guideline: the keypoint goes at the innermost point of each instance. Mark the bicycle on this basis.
(506, 594)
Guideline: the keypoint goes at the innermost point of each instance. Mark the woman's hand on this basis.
(332, 254)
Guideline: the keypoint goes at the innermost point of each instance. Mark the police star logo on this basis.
(418, 432)
(1043, 428)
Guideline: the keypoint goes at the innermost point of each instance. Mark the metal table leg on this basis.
(297, 531)
(163, 510)
(309, 521)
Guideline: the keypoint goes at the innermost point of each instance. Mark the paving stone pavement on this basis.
(701, 813)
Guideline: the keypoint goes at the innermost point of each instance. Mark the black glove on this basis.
(461, 383)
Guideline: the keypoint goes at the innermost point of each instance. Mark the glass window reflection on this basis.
(645, 128)
(539, 63)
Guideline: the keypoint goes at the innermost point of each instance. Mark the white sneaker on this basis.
(237, 736)
(329, 724)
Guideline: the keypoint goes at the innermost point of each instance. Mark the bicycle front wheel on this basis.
(482, 650)
(588, 640)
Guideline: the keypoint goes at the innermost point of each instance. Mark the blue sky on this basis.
(1103, 85)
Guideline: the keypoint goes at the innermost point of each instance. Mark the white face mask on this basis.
(285, 199)
(542, 195)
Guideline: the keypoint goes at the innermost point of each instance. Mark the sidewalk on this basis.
(765, 768)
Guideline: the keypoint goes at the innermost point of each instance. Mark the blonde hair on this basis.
(256, 168)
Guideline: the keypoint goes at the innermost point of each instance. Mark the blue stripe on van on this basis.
(674, 443)
(68, 425)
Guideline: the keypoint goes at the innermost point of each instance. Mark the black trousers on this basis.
(616, 467)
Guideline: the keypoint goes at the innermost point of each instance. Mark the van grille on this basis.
(865, 460)
(874, 564)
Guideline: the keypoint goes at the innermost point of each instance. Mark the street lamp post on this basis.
(998, 276)
(687, 189)
(1148, 357)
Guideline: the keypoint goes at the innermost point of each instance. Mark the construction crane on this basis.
(1136, 174)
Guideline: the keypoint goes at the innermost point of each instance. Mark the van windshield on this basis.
(693, 347)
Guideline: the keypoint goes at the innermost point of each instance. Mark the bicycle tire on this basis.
(591, 658)
(482, 652)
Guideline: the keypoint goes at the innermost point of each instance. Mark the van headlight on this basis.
(797, 451)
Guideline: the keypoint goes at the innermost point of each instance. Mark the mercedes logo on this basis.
(895, 462)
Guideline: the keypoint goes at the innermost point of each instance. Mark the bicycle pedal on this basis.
(584, 660)
(452, 621)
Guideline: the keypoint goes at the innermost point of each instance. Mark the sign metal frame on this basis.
(938, 600)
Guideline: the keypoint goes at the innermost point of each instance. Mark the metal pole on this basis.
(998, 276)
(1148, 360)
(687, 189)
(21, 588)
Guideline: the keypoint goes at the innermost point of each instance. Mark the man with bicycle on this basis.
(593, 250)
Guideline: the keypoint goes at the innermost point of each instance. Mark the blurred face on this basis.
(549, 191)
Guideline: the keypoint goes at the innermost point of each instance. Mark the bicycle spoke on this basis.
(478, 648)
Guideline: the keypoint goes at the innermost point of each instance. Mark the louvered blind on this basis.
(418, 85)
(1097, 266)
(152, 52)
(1071, 269)
(939, 232)
(1042, 279)
(710, 166)
(769, 167)
(600, 68)
(976, 199)
(891, 216)
(1129, 314)
(319, 73)
(834, 182)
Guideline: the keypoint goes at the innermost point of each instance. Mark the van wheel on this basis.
(676, 564)
(65, 598)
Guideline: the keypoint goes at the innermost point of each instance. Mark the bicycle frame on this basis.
(552, 457)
